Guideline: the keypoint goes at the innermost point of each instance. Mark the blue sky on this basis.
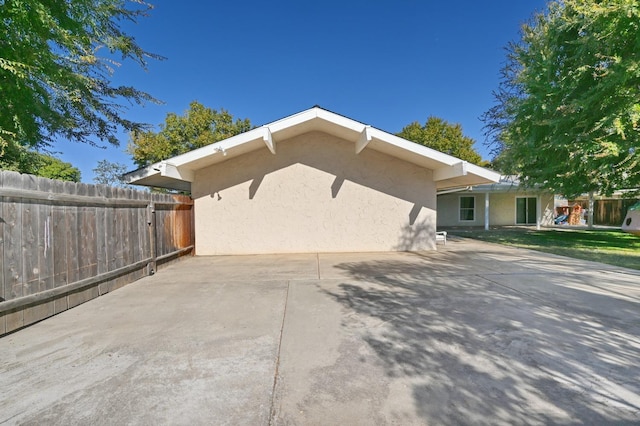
(384, 63)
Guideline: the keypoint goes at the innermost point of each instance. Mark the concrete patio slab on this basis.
(475, 333)
(183, 351)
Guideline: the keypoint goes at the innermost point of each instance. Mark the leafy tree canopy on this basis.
(444, 137)
(56, 60)
(199, 126)
(110, 173)
(567, 113)
(24, 160)
(54, 168)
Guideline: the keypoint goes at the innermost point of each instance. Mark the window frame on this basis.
(526, 212)
(472, 209)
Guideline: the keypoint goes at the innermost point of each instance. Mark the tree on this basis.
(108, 173)
(54, 168)
(24, 160)
(199, 126)
(567, 112)
(444, 137)
(53, 81)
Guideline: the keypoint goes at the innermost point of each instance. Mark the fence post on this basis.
(151, 221)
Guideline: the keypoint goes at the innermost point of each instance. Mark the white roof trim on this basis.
(452, 171)
(268, 140)
(170, 170)
(179, 171)
(363, 140)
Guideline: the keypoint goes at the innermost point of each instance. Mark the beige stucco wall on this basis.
(449, 210)
(314, 195)
(502, 208)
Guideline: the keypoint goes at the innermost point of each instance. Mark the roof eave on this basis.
(448, 170)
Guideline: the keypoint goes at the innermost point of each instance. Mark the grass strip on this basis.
(612, 247)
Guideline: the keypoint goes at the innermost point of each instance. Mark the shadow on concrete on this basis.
(479, 352)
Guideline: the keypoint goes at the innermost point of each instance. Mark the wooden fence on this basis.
(63, 243)
(611, 212)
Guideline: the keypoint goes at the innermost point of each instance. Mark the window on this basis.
(467, 209)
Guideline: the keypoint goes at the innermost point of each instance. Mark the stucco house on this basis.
(315, 181)
(504, 203)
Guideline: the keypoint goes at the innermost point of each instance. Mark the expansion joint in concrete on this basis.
(272, 411)
(519, 292)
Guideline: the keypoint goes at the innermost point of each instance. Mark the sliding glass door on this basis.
(526, 210)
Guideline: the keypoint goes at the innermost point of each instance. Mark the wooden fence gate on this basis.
(63, 243)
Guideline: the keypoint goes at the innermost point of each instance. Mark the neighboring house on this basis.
(499, 204)
(315, 181)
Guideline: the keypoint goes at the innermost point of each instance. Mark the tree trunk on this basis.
(590, 212)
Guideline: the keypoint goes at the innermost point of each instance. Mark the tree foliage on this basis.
(444, 137)
(56, 61)
(110, 173)
(24, 160)
(199, 126)
(54, 168)
(567, 112)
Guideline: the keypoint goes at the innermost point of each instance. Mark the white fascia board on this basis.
(363, 140)
(218, 147)
(172, 171)
(339, 120)
(450, 172)
(483, 173)
(293, 120)
(314, 114)
(268, 140)
(413, 147)
(136, 175)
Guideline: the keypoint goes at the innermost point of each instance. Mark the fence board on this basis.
(101, 232)
(122, 239)
(12, 261)
(87, 260)
(110, 238)
(140, 235)
(31, 246)
(59, 243)
(45, 250)
(140, 220)
(160, 240)
(132, 214)
(30, 227)
(73, 247)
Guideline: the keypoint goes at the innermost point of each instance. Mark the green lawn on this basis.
(606, 246)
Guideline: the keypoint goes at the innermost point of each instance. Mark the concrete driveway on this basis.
(472, 334)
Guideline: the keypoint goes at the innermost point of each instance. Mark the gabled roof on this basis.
(178, 172)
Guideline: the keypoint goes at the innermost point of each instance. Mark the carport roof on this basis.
(178, 172)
